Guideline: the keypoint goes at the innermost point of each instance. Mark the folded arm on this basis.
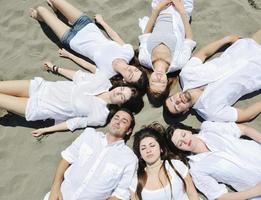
(213, 47)
(83, 63)
(112, 34)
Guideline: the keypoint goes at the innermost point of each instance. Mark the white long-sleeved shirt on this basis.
(72, 101)
(98, 170)
(235, 73)
(231, 160)
(183, 48)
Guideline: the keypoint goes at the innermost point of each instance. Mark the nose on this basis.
(184, 141)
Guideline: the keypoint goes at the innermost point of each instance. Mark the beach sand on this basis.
(27, 166)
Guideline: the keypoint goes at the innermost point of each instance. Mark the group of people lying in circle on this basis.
(101, 166)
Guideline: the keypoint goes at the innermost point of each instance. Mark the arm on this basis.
(58, 179)
(86, 65)
(179, 5)
(48, 66)
(247, 194)
(133, 196)
(113, 198)
(154, 14)
(112, 34)
(58, 127)
(191, 190)
(250, 132)
(246, 114)
(213, 47)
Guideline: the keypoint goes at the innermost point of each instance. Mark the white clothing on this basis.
(91, 42)
(231, 160)
(71, 101)
(183, 48)
(98, 170)
(165, 193)
(232, 75)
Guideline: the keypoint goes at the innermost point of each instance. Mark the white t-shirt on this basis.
(232, 161)
(72, 101)
(183, 48)
(91, 42)
(232, 75)
(165, 193)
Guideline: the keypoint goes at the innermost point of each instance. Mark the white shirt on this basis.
(232, 161)
(165, 193)
(72, 101)
(183, 47)
(98, 170)
(90, 42)
(235, 73)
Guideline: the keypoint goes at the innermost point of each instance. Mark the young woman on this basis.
(159, 176)
(166, 44)
(73, 104)
(84, 37)
(218, 156)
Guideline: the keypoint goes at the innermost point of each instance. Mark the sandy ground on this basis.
(27, 166)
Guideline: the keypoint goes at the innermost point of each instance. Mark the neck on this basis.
(195, 94)
(154, 166)
(111, 139)
(105, 96)
(201, 147)
(160, 66)
(119, 65)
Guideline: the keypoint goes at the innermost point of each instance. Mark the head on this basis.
(178, 103)
(157, 98)
(121, 124)
(181, 140)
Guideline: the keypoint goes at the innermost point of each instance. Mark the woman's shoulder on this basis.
(179, 166)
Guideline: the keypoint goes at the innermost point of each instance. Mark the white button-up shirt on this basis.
(235, 73)
(183, 47)
(231, 160)
(98, 170)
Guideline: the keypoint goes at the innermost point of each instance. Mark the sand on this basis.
(27, 166)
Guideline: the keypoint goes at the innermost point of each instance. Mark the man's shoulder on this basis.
(127, 151)
(91, 132)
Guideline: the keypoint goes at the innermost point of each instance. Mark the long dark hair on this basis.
(156, 131)
(168, 135)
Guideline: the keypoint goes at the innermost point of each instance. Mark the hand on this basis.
(48, 66)
(39, 132)
(163, 4)
(98, 18)
(179, 5)
(64, 53)
(56, 194)
(232, 38)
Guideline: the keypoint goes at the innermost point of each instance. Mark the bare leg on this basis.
(13, 104)
(68, 10)
(257, 37)
(43, 14)
(15, 88)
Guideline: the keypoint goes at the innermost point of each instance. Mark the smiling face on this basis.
(120, 123)
(179, 102)
(184, 140)
(132, 74)
(120, 95)
(158, 82)
(149, 150)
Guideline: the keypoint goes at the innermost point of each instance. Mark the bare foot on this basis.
(51, 5)
(34, 14)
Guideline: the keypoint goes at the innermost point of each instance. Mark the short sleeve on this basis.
(180, 167)
(226, 128)
(224, 114)
(77, 122)
(185, 53)
(207, 185)
(144, 57)
(80, 76)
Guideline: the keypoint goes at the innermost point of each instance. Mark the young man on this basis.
(213, 87)
(96, 165)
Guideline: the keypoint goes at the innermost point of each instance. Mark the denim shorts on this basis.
(81, 22)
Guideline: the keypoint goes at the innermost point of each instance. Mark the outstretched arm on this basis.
(57, 127)
(56, 193)
(112, 34)
(86, 65)
(246, 114)
(50, 67)
(247, 194)
(250, 132)
(213, 47)
(154, 14)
